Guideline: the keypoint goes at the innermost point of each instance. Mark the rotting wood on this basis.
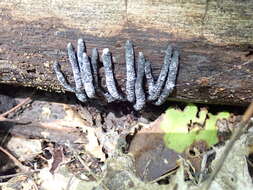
(215, 41)
(49, 131)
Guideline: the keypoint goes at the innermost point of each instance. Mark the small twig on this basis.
(250, 163)
(25, 101)
(3, 115)
(248, 113)
(203, 164)
(92, 173)
(165, 175)
(87, 168)
(18, 174)
(146, 168)
(15, 160)
(35, 185)
(242, 126)
(69, 182)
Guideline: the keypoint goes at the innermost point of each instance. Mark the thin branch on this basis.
(165, 175)
(18, 174)
(25, 101)
(88, 169)
(242, 127)
(15, 160)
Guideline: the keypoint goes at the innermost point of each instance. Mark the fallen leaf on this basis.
(183, 128)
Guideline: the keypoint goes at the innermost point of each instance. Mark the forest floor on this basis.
(51, 141)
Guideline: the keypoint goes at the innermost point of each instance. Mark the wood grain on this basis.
(215, 40)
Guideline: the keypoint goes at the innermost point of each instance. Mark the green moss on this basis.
(182, 128)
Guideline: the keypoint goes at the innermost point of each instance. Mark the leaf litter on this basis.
(174, 151)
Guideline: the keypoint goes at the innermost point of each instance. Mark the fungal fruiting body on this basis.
(85, 72)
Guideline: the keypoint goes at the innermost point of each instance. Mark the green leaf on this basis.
(182, 128)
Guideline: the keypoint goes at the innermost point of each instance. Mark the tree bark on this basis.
(215, 39)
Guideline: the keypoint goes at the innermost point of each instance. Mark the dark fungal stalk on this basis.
(139, 92)
(162, 77)
(87, 77)
(77, 74)
(171, 79)
(130, 71)
(94, 64)
(109, 76)
(80, 50)
(149, 78)
(85, 70)
(61, 78)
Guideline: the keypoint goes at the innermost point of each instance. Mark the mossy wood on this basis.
(215, 39)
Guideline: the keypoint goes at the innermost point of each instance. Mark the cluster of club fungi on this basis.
(86, 76)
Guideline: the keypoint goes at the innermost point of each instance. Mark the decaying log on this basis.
(215, 39)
